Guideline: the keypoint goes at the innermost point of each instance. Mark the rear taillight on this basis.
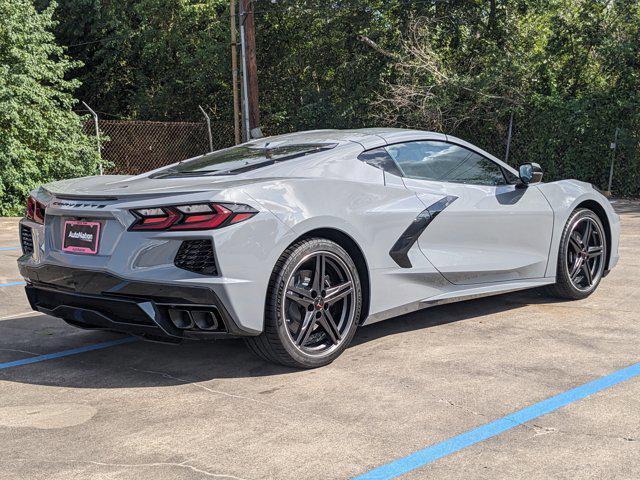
(35, 210)
(201, 216)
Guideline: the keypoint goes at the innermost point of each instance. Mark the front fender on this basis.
(565, 196)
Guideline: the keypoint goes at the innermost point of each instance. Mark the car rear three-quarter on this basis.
(187, 252)
(294, 241)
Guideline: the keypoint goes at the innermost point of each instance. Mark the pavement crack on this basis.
(592, 435)
(283, 410)
(19, 351)
(195, 383)
(459, 406)
(166, 464)
(184, 464)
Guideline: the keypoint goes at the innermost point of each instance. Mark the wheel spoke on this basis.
(328, 327)
(299, 295)
(575, 237)
(338, 292)
(575, 268)
(574, 244)
(319, 273)
(332, 323)
(595, 252)
(587, 273)
(586, 235)
(305, 329)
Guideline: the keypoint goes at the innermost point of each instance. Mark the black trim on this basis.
(26, 239)
(380, 158)
(410, 236)
(100, 300)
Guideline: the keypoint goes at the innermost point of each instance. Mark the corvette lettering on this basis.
(77, 205)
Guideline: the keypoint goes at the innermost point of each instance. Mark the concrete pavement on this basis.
(154, 411)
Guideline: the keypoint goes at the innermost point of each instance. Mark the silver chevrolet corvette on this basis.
(294, 241)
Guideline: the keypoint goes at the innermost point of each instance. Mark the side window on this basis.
(440, 161)
(379, 158)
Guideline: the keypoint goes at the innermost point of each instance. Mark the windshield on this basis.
(242, 158)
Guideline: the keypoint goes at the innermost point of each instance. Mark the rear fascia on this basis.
(245, 252)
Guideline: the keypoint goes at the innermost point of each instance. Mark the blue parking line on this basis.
(455, 444)
(6, 249)
(66, 353)
(12, 284)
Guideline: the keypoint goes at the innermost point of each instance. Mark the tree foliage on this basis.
(568, 71)
(150, 59)
(41, 139)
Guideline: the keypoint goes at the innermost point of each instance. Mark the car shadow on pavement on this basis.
(147, 364)
(453, 312)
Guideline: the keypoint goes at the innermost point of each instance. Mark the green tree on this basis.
(150, 59)
(567, 70)
(321, 63)
(41, 138)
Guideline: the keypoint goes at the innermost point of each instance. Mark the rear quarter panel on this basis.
(352, 198)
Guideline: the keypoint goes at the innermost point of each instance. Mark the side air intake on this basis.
(399, 251)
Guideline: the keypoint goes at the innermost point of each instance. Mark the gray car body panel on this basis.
(490, 240)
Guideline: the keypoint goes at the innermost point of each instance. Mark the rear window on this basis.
(243, 158)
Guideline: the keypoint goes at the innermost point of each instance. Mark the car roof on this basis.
(368, 137)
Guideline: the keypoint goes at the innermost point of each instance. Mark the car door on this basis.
(489, 229)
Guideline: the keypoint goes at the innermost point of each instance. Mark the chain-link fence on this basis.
(566, 145)
(131, 147)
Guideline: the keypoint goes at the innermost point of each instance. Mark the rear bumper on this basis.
(99, 300)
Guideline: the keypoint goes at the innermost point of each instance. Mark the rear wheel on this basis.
(582, 256)
(313, 303)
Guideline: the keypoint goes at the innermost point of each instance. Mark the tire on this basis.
(297, 297)
(577, 284)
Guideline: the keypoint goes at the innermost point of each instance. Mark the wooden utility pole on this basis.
(234, 72)
(252, 68)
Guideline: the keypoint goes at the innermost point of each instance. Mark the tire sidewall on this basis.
(278, 294)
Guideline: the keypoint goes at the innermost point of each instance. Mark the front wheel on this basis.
(582, 256)
(313, 304)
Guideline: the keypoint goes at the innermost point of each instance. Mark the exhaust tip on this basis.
(181, 318)
(205, 320)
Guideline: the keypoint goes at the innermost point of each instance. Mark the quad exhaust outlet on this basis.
(205, 320)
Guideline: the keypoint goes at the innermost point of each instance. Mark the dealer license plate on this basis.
(81, 237)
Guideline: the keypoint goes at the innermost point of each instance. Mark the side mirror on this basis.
(530, 173)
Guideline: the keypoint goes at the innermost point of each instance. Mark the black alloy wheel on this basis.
(313, 305)
(585, 255)
(582, 256)
(319, 306)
